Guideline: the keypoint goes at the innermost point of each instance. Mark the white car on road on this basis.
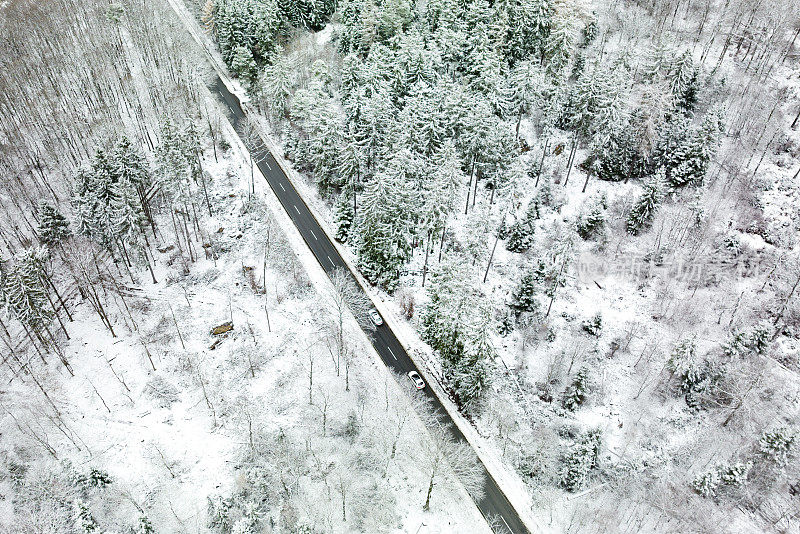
(418, 382)
(376, 318)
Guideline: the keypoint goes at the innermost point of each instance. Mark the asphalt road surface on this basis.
(494, 504)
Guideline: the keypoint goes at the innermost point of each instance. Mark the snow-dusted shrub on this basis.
(144, 526)
(709, 482)
(579, 461)
(594, 325)
(219, 513)
(98, 478)
(528, 466)
(735, 475)
(759, 340)
(84, 520)
(94, 478)
(696, 378)
(777, 444)
(245, 525)
(164, 392)
(743, 343)
(706, 483)
(407, 304)
(352, 427)
(736, 345)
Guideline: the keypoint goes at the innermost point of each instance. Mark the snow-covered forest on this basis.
(580, 218)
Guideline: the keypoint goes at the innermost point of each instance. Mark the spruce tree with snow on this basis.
(275, 86)
(420, 124)
(591, 222)
(128, 220)
(317, 146)
(706, 483)
(24, 293)
(343, 215)
(596, 103)
(673, 133)
(444, 183)
(526, 91)
(310, 14)
(357, 31)
(53, 226)
(520, 236)
(759, 339)
(578, 462)
(144, 526)
(677, 71)
(352, 162)
(128, 163)
(709, 482)
(575, 394)
(523, 298)
(530, 23)
(497, 155)
(560, 44)
(85, 522)
(742, 343)
(684, 80)
(697, 378)
(589, 32)
(98, 479)
(252, 24)
(641, 215)
(458, 328)
(93, 194)
(389, 207)
(735, 475)
(177, 159)
(218, 511)
(488, 76)
(622, 156)
(693, 157)
(594, 325)
(444, 319)
(777, 444)
(471, 375)
(243, 64)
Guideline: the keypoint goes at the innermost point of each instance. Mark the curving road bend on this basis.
(494, 503)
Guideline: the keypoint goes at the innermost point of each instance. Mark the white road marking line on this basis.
(312, 233)
(330, 260)
(390, 350)
(504, 521)
(267, 164)
(297, 210)
(280, 184)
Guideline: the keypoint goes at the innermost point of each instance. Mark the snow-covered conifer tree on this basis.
(523, 298)
(53, 226)
(24, 292)
(643, 211)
